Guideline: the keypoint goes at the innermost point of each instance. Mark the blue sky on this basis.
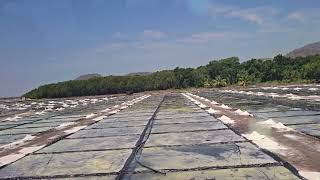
(45, 41)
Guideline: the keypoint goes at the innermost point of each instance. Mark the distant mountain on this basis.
(139, 74)
(88, 76)
(307, 50)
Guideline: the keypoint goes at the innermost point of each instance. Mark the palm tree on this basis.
(243, 78)
(219, 82)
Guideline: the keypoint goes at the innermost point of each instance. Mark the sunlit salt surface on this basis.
(41, 107)
(289, 96)
(226, 119)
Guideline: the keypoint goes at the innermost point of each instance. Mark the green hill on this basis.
(216, 73)
(88, 76)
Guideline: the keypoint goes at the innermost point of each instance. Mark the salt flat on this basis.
(164, 136)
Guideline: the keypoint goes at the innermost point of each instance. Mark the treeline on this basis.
(217, 73)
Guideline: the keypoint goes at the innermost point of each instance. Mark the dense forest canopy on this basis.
(217, 73)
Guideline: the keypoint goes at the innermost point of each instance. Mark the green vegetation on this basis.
(217, 73)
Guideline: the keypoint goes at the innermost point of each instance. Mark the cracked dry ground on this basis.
(165, 136)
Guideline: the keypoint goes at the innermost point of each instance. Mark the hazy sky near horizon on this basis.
(45, 41)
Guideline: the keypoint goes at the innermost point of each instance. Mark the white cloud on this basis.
(297, 21)
(110, 46)
(256, 15)
(206, 37)
(296, 16)
(309, 16)
(247, 15)
(268, 19)
(120, 35)
(154, 45)
(153, 34)
(161, 44)
(215, 9)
